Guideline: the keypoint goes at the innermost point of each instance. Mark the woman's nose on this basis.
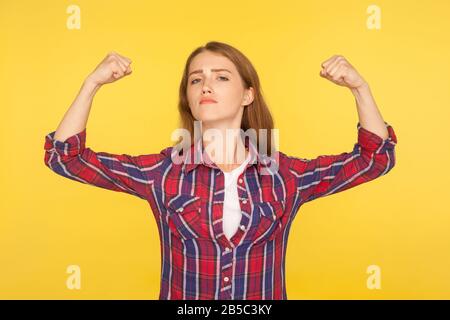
(206, 87)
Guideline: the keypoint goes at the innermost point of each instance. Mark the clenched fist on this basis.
(113, 67)
(338, 70)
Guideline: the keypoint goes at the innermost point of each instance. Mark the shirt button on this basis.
(242, 227)
(240, 181)
(199, 209)
(180, 210)
(244, 201)
(227, 249)
(226, 279)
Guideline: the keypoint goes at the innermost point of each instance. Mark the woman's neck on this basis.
(225, 148)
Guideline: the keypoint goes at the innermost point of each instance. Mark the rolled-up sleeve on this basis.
(371, 157)
(117, 172)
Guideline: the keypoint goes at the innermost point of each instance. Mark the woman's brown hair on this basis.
(256, 115)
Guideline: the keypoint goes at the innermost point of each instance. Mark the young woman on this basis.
(223, 224)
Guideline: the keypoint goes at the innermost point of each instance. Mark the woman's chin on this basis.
(206, 118)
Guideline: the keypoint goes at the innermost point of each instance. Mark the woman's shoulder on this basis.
(150, 159)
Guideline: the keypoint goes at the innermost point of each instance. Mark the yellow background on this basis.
(399, 222)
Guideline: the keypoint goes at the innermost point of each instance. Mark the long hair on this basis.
(255, 116)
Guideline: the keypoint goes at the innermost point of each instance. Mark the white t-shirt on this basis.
(231, 207)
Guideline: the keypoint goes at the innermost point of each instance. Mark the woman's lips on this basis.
(207, 101)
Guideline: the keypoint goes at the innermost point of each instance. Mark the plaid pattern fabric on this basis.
(186, 198)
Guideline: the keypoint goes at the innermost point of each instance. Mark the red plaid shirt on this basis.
(198, 260)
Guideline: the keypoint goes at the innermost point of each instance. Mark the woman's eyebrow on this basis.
(213, 70)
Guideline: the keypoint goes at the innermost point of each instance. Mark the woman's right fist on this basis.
(113, 67)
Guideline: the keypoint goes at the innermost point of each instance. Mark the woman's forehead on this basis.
(211, 61)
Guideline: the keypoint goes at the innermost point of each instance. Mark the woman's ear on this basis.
(249, 96)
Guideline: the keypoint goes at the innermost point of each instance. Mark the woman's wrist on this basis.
(361, 89)
(91, 85)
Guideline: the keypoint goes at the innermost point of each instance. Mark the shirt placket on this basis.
(226, 274)
(228, 246)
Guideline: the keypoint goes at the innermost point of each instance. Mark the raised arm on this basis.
(372, 156)
(112, 68)
(67, 155)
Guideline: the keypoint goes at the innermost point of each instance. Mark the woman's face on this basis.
(213, 76)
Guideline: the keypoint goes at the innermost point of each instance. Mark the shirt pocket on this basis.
(183, 215)
(268, 222)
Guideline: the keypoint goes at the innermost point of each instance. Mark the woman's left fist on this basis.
(338, 70)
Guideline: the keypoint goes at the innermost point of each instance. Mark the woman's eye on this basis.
(192, 81)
